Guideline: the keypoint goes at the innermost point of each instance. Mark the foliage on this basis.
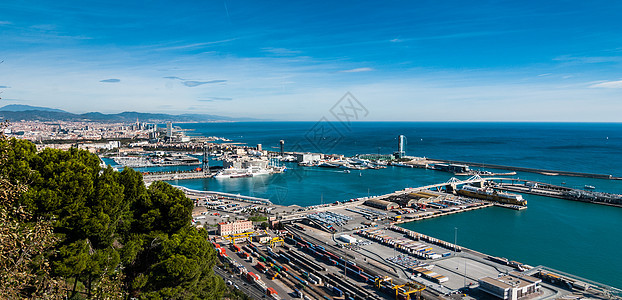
(264, 225)
(101, 232)
(257, 217)
(24, 269)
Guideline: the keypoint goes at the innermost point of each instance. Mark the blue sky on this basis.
(293, 60)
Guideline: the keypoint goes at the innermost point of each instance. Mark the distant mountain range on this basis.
(16, 112)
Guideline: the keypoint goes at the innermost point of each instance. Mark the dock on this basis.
(168, 176)
(561, 192)
(529, 170)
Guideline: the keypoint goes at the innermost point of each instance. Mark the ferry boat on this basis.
(326, 164)
(492, 195)
(397, 164)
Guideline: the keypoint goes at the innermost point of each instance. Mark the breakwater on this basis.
(531, 170)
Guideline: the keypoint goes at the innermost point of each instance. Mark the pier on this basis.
(164, 176)
(556, 191)
(195, 193)
(530, 170)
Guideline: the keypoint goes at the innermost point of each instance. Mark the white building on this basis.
(512, 286)
(308, 157)
(347, 239)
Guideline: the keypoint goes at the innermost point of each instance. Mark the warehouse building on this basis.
(382, 204)
(347, 239)
(512, 286)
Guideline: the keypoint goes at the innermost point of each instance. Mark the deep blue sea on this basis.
(579, 238)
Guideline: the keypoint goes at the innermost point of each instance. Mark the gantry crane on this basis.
(412, 287)
(236, 236)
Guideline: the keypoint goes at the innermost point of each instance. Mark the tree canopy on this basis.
(109, 236)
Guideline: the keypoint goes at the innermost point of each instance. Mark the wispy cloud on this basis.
(196, 45)
(608, 85)
(4, 87)
(357, 70)
(192, 83)
(44, 27)
(5, 23)
(111, 80)
(396, 40)
(281, 51)
(589, 59)
(212, 99)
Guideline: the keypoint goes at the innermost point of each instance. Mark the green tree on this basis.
(24, 240)
(107, 234)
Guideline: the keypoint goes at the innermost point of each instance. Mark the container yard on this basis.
(351, 250)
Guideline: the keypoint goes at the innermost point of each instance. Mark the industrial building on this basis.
(382, 204)
(452, 168)
(347, 239)
(228, 228)
(512, 286)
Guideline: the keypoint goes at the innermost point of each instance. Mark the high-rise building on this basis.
(282, 143)
(401, 144)
(169, 129)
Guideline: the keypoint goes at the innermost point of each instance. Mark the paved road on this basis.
(249, 289)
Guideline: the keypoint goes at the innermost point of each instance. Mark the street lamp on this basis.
(455, 239)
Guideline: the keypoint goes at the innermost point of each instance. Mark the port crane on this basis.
(276, 240)
(233, 237)
(409, 288)
(379, 281)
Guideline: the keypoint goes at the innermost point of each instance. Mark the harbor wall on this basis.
(530, 170)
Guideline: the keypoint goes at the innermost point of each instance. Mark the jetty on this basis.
(529, 170)
(168, 176)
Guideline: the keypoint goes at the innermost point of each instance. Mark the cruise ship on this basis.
(492, 195)
(232, 173)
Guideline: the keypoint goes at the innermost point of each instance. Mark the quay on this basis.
(355, 250)
(556, 191)
(529, 170)
(181, 175)
(194, 194)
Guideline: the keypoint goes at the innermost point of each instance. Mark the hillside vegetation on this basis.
(72, 229)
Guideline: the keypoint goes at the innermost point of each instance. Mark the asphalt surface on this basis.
(249, 289)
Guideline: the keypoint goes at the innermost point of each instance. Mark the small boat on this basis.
(346, 171)
(589, 187)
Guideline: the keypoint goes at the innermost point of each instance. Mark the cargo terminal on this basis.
(356, 250)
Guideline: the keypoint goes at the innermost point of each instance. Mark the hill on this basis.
(20, 107)
(16, 112)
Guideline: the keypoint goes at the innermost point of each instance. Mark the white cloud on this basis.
(608, 85)
(357, 70)
(281, 51)
(195, 45)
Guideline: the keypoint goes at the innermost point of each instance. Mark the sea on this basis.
(578, 238)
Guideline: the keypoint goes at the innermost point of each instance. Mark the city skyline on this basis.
(498, 61)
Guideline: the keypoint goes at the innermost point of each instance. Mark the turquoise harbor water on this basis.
(583, 239)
